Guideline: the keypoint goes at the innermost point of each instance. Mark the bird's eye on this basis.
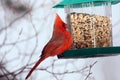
(63, 25)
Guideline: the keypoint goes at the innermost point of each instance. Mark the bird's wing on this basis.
(55, 45)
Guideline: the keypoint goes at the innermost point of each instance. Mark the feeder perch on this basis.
(90, 26)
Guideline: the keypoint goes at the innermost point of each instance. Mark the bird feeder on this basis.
(90, 25)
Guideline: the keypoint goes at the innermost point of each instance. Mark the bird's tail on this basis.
(34, 67)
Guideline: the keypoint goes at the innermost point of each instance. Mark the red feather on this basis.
(61, 40)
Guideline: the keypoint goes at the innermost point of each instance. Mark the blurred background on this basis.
(27, 25)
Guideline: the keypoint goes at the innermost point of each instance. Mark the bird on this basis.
(60, 41)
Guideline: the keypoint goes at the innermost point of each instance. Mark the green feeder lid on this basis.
(68, 2)
(90, 52)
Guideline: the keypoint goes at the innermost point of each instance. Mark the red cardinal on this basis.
(61, 40)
